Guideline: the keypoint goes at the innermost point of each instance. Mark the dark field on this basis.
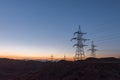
(89, 69)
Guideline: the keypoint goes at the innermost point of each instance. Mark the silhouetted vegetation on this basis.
(89, 69)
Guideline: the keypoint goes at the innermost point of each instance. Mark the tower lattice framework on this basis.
(93, 50)
(80, 53)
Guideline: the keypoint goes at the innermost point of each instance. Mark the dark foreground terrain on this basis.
(89, 69)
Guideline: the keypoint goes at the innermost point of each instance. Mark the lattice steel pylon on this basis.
(51, 57)
(64, 58)
(93, 50)
(80, 53)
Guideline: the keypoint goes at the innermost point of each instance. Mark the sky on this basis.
(41, 28)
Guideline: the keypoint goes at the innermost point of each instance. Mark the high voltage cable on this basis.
(98, 29)
(102, 32)
(109, 35)
(107, 39)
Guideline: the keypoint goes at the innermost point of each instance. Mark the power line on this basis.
(109, 38)
(107, 34)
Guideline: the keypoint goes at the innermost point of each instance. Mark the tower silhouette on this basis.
(64, 58)
(93, 50)
(51, 57)
(79, 54)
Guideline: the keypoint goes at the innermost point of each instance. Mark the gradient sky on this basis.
(39, 28)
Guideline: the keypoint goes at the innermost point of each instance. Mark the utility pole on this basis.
(93, 50)
(79, 54)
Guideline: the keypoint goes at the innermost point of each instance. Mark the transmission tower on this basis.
(64, 57)
(79, 54)
(93, 50)
(51, 57)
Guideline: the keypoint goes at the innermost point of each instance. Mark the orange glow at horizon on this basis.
(14, 55)
(35, 58)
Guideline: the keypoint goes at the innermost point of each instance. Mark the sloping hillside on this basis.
(80, 70)
(89, 69)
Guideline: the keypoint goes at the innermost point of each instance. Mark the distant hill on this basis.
(103, 60)
(10, 68)
(89, 69)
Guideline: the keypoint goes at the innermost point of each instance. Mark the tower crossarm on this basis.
(92, 49)
(78, 32)
(78, 45)
(81, 39)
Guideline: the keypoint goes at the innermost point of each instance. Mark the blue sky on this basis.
(44, 27)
